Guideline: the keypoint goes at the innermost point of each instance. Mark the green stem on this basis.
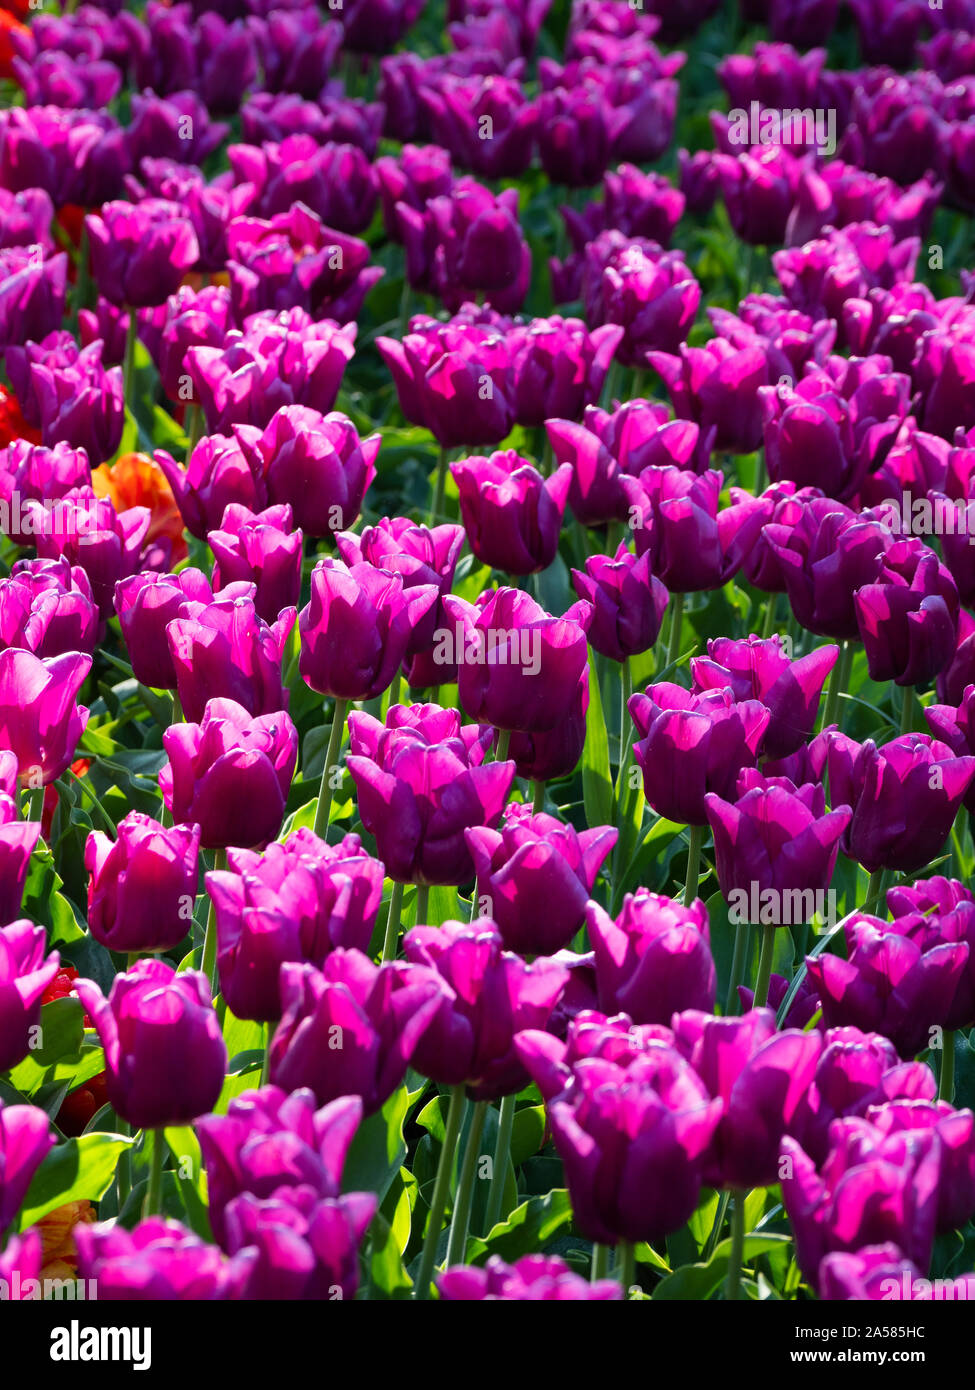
(626, 690)
(128, 370)
(875, 890)
(209, 963)
(124, 1170)
(538, 801)
(733, 1281)
(107, 821)
(455, 1116)
(742, 933)
(501, 752)
(194, 428)
(334, 744)
(907, 709)
(422, 904)
(946, 1082)
(35, 803)
(461, 1219)
(627, 1265)
(768, 626)
(152, 1206)
(440, 487)
(676, 623)
(693, 864)
(391, 939)
(600, 1262)
(837, 684)
(765, 965)
(266, 1067)
(502, 1149)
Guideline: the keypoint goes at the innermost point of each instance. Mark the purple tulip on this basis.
(20, 1266)
(547, 754)
(417, 174)
(573, 135)
(146, 603)
(165, 1057)
(653, 959)
(32, 294)
(904, 794)
(88, 532)
(512, 514)
(691, 745)
(421, 782)
(351, 1028)
(960, 671)
(870, 1274)
(872, 1189)
(559, 367)
(355, 630)
(283, 359)
(46, 607)
(68, 394)
(717, 386)
(520, 666)
(189, 319)
(468, 243)
(421, 555)
(693, 543)
(224, 650)
(461, 108)
(142, 886)
(757, 669)
(230, 774)
(269, 1143)
(25, 1137)
(537, 875)
(956, 1131)
(140, 251)
(487, 996)
(761, 1078)
(29, 472)
(25, 973)
(649, 292)
(334, 181)
(316, 464)
(532, 1279)
(306, 1247)
(158, 1260)
(776, 838)
(908, 616)
(455, 379)
(18, 840)
(295, 903)
(891, 983)
(628, 603)
(218, 473)
(261, 548)
(40, 719)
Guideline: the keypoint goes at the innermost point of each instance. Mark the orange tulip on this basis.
(58, 1252)
(136, 480)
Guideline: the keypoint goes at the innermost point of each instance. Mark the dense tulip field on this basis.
(487, 650)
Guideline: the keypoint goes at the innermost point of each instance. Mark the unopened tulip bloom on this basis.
(891, 983)
(872, 1188)
(40, 719)
(532, 1279)
(69, 395)
(717, 385)
(654, 959)
(691, 745)
(758, 669)
(908, 616)
(520, 666)
(871, 1274)
(224, 650)
(25, 1137)
(18, 840)
(25, 973)
(559, 367)
(511, 513)
(142, 886)
(537, 875)
(488, 995)
(262, 548)
(545, 754)
(165, 1058)
(218, 474)
(269, 1142)
(307, 1247)
(32, 294)
(357, 626)
(20, 1266)
(296, 902)
(649, 292)
(31, 472)
(628, 602)
(420, 785)
(904, 794)
(47, 607)
(105, 543)
(230, 774)
(380, 1012)
(159, 1259)
(956, 1131)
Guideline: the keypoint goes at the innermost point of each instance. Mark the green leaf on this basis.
(60, 1039)
(526, 1230)
(188, 1171)
(697, 1282)
(597, 781)
(72, 1171)
(378, 1149)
